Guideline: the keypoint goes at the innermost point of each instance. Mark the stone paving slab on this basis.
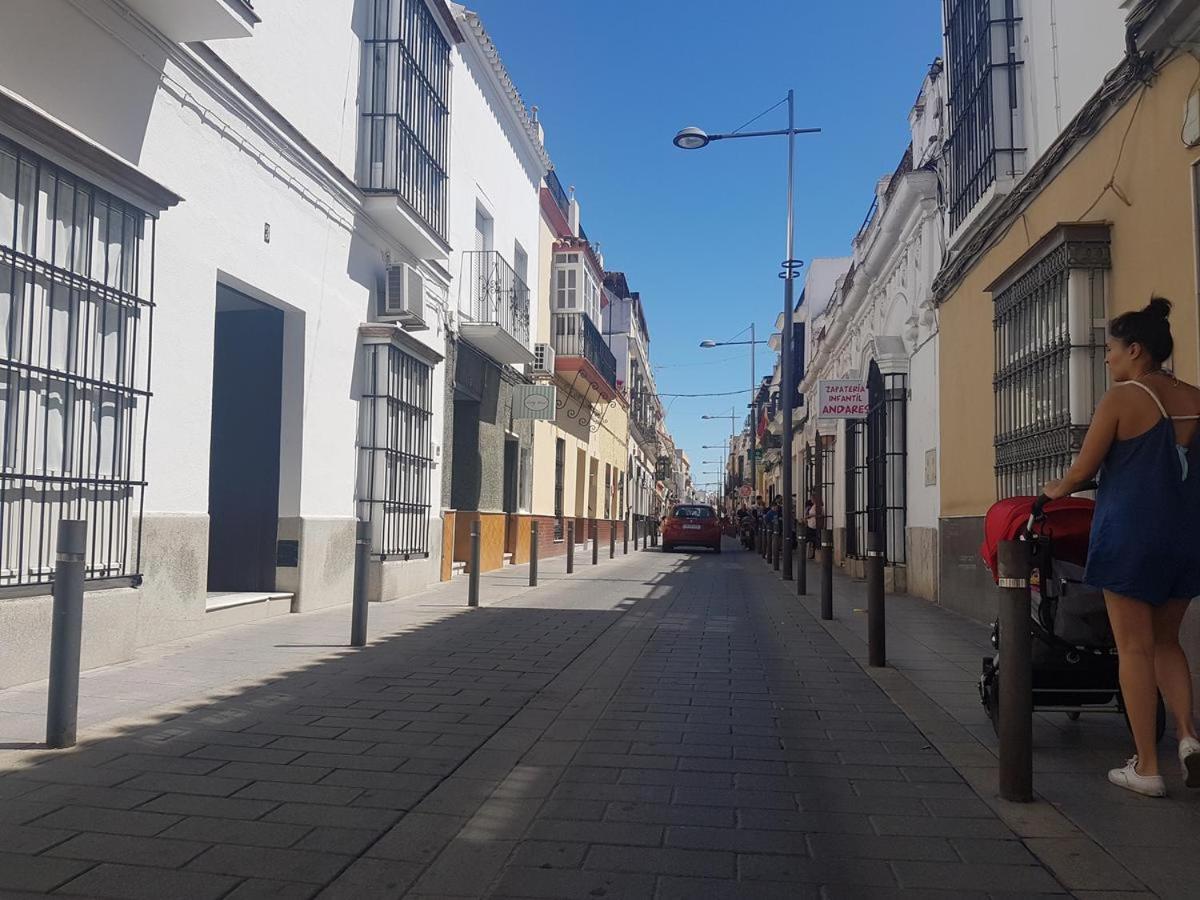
(656, 726)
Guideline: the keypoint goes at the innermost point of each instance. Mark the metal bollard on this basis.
(827, 575)
(362, 559)
(595, 543)
(777, 546)
(570, 547)
(533, 553)
(612, 540)
(801, 564)
(1016, 673)
(876, 624)
(625, 538)
(473, 574)
(66, 635)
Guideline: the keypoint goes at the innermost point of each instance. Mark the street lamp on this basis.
(693, 138)
(708, 345)
(732, 417)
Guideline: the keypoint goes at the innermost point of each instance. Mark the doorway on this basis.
(243, 482)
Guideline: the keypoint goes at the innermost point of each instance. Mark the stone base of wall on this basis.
(964, 584)
(324, 575)
(492, 530)
(923, 563)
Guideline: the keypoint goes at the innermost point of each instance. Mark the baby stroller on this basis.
(1074, 655)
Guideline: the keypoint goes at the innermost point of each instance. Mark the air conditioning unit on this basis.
(403, 298)
(543, 359)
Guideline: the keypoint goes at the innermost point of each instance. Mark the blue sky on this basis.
(701, 234)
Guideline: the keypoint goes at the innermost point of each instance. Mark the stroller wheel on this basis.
(990, 693)
(1160, 716)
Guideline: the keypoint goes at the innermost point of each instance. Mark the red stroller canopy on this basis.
(1068, 522)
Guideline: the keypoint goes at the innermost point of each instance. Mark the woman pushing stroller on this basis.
(1144, 550)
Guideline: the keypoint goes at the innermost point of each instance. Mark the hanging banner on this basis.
(842, 399)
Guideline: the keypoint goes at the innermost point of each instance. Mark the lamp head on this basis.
(707, 345)
(691, 138)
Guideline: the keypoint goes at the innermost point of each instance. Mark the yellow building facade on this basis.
(580, 455)
(1104, 221)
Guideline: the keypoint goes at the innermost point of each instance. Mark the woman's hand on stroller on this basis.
(1056, 490)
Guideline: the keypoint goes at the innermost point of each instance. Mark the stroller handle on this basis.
(1039, 505)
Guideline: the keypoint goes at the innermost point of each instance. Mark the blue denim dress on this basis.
(1145, 541)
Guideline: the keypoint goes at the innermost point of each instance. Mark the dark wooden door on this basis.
(243, 486)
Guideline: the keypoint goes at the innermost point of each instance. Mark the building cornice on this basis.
(56, 139)
(478, 39)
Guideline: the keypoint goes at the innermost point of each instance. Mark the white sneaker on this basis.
(1147, 785)
(1189, 759)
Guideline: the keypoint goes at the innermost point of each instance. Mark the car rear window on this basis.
(693, 512)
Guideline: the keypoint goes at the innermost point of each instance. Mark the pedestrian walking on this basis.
(814, 511)
(1144, 550)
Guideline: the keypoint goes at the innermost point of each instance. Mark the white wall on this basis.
(489, 170)
(323, 261)
(1068, 46)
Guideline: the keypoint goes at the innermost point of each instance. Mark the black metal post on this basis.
(876, 624)
(1016, 673)
(66, 635)
(827, 575)
(612, 539)
(595, 543)
(473, 574)
(533, 553)
(777, 553)
(570, 547)
(362, 559)
(625, 537)
(802, 564)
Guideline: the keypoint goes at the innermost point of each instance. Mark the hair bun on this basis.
(1159, 307)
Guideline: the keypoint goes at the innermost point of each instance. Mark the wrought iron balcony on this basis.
(495, 303)
(579, 347)
(643, 432)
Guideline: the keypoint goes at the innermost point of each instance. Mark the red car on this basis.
(692, 525)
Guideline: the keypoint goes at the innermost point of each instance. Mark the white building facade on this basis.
(228, 292)
(877, 326)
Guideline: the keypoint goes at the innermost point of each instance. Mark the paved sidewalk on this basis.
(657, 726)
(1096, 837)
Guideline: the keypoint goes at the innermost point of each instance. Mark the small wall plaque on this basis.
(287, 554)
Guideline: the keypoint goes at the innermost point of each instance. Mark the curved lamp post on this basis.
(752, 343)
(693, 138)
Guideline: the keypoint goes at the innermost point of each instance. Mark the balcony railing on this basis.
(496, 295)
(557, 192)
(575, 335)
(643, 432)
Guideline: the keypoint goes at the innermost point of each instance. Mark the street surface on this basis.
(657, 726)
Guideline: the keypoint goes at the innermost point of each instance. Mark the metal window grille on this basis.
(1047, 381)
(981, 47)
(856, 487)
(405, 123)
(76, 310)
(827, 478)
(560, 463)
(395, 452)
(887, 457)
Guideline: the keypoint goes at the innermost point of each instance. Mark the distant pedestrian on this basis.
(814, 512)
(1144, 441)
